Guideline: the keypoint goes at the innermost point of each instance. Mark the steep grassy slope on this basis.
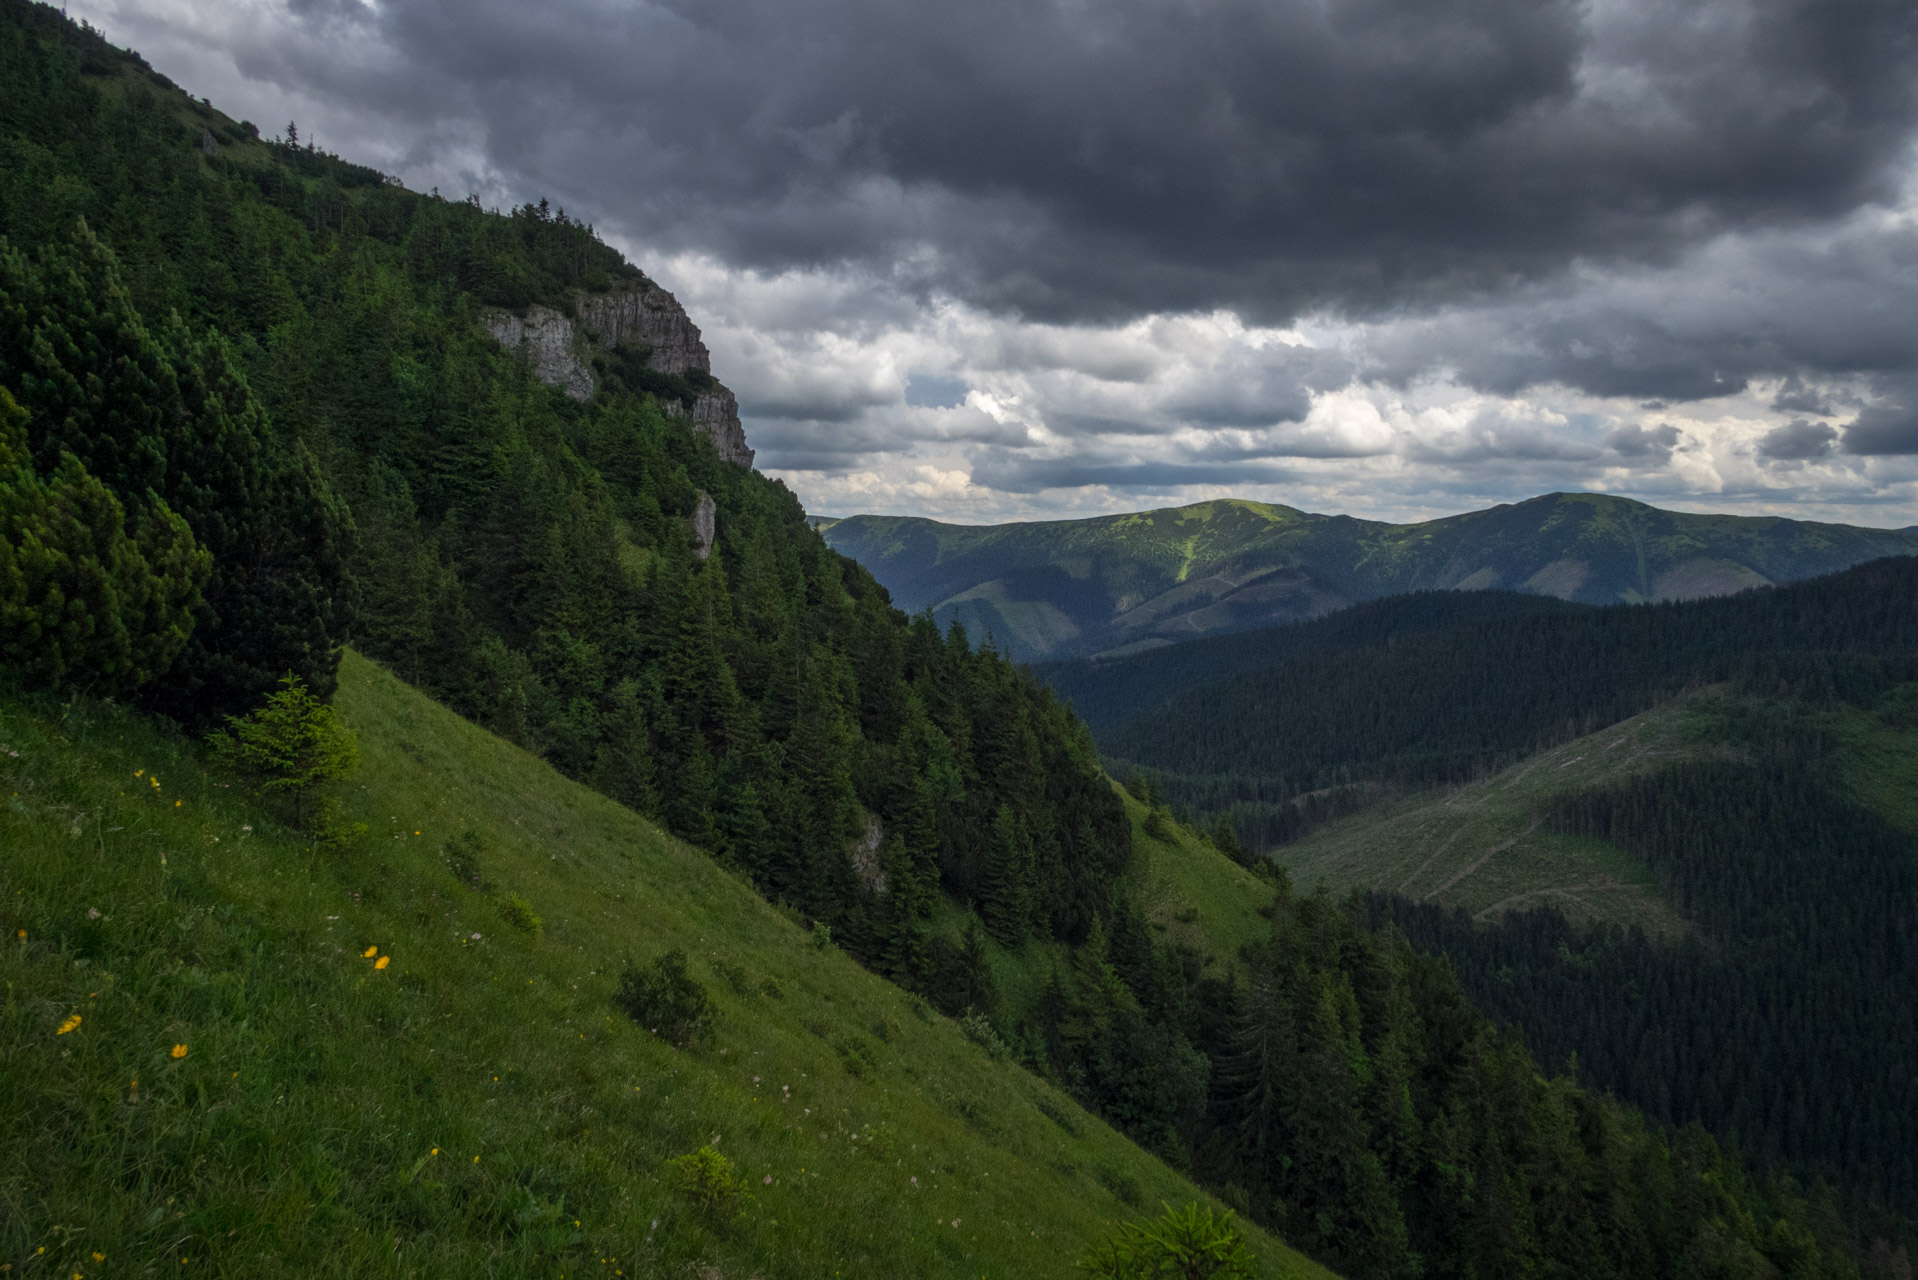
(1069, 587)
(479, 1107)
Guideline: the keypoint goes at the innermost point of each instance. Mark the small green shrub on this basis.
(1057, 1114)
(709, 1181)
(736, 977)
(517, 912)
(1121, 1185)
(296, 747)
(980, 1031)
(821, 935)
(462, 854)
(666, 1000)
(1184, 1244)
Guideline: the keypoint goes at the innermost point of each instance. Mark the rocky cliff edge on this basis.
(643, 317)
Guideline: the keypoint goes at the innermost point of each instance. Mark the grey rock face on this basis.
(717, 414)
(647, 316)
(705, 525)
(546, 337)
(644, 316)
(208, 143)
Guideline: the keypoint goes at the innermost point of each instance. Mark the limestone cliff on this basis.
(642, 317)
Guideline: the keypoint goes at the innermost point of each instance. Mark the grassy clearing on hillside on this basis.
(1193, 895)
(1483, 847)
(478, 1106)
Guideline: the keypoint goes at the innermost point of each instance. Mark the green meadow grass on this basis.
(1482, 847)
(478, 1107)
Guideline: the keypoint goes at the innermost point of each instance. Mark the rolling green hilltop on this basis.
(1119, 584)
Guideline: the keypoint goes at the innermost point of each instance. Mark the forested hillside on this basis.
(1427, 689)
(250, 410)
(283, 350)
(1730, 876)
(1116, 585)
(1788, 1016)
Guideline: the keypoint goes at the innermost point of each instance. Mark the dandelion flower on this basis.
(23, 935)
(382, 962)
(68, 1025)
(177, 803)
(138, 772)
(99, 1257)
(370, 952)
(179, 1051)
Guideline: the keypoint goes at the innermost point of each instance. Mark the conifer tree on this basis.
(1005, 885)
(85, 601)
(169, 413)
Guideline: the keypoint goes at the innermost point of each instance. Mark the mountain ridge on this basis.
(1115, 585)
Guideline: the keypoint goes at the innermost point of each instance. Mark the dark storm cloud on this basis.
(1889, 426)
(1799, 440)
(1652, 444)
(1076, 161)
(1837, 303)
(1795, 397)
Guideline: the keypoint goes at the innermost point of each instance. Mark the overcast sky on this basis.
(1011, 258)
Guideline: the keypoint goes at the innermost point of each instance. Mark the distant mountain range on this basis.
(1124, 584)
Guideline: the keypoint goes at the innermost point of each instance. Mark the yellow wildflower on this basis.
(179, 1051)
(68, 1025)
(382, 962)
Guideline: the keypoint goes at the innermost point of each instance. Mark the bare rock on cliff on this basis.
(644, 317)
(705, 525)
(546, 337)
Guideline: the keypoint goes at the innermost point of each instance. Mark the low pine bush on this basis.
(709, 1180)
(666, 1000)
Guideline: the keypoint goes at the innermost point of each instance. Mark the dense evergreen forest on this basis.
(1789, 1019)
(1437, 688)
(248, 415)
(1341, 1088)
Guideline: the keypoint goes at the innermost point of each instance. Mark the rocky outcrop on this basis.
(644, 317)
(705, 526)
(716, 413)
(650, 317)
(546, 337)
